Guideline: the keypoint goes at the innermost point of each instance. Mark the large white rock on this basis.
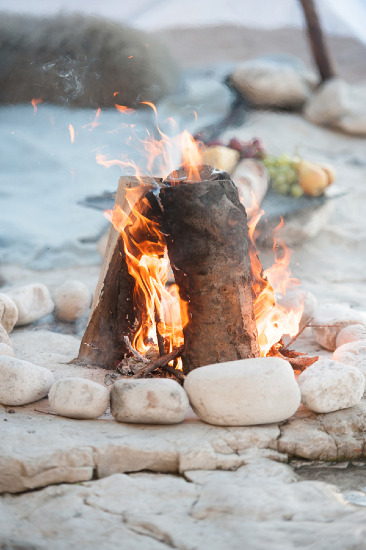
(353, 353)
(22, 382)
(351, 333)
(328, 103)
(339, 105)
(148, 401)
(8, 312)
(78, 398)
(6, 350)
(72, 300)
(328, 386)
(33, 302)
(274, 82)
(329, 319)
(4, 337)
(244, 392)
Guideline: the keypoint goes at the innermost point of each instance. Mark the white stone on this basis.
(4, 337)
(8, 312)
(328, 103)
(148, 401)
(328, 386)
(72, 300)
(33, 302)
(296, 299)
(251, 179)
(22, 382)
(329, 319)
(6, 350)
(351, 333)
(339, 105)
(78, 398)
(354, 354)
(274, 83)
(244, 393)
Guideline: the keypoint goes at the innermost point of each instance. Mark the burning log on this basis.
(113, 314)
(207, 237)
(204, 226)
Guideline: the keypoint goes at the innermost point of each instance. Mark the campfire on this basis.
(182, 285)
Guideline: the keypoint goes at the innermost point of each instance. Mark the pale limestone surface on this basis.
(328, 386)
(22, 382)
(261, 505)
(72, 300)
(6, 350)
(352, 333)
(354, 354)
(329, 319)
(148, 401)
(78, 398)
(268, 82)
(32, 301)
(244, 393)
(8, 312)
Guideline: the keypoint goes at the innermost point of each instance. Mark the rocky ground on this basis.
(298, 484)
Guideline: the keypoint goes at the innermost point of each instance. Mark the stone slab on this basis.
(261, 505)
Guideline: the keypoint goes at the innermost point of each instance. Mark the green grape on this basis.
(284, 188)
(284, 159)
(296, 191)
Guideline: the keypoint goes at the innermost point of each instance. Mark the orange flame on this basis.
(72, 133)
(35, 102)
(145, 247)
(123, 109)
(160, 307)
(95, 122)
(273, 320)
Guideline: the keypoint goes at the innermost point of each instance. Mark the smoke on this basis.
(70, 76)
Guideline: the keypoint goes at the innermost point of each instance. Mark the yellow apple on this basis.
(312, 178)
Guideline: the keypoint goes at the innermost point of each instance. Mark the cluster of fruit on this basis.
(296, 176)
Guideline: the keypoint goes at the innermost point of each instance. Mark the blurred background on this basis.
(61, 74)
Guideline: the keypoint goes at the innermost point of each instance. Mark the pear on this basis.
(312, 178)
(329, 170)
(221, 157)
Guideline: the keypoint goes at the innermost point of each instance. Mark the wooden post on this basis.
(316, 39)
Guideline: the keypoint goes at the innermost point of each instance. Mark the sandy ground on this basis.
(213, 44)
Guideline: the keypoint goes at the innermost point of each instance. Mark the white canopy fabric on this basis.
(338, 16)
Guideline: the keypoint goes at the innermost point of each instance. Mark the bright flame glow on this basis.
(72, 133)
(159, 306)
(35, 102)
(148, 263)
(94, 123)
(272, 320)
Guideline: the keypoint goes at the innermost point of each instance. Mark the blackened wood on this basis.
(113, 314)
(316, 39)
(207, 237)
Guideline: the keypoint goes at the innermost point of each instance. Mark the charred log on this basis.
(207, 237)
(113, 314)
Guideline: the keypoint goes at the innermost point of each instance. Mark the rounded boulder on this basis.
(33, 302)
(72, 300)
(330, 319)
(148, 401)
(353, 354)
(78, 398)
(244, 393)
(8, 312)
(328, 386)
(22, 382)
